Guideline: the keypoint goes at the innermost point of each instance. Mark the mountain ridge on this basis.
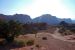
(46, 18)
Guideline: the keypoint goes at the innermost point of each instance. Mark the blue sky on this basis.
(35, 8)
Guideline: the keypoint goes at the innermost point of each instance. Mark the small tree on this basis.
(8, 30)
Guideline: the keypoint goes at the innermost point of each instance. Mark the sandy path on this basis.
(68, 38)
(54, 44)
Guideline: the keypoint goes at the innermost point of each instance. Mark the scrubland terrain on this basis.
(49, 39)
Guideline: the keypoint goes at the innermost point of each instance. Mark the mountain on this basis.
(51, 20)
(47, 18)
(5, 17)
(17, 17)
(73, 21)
(22, 18)
(68, 20)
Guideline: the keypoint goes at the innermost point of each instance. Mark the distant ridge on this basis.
(17, 17)
(51, 20)
(46, 18)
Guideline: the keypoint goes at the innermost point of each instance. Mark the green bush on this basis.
(30, 42)
(20, 43)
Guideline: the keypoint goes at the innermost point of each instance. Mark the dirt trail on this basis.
(54, 44)
(68, 38)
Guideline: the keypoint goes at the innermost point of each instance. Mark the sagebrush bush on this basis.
(20, 43)
(30, 42)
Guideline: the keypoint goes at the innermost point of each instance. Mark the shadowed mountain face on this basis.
(51, 20)
(17, 17)
(73, 21)
(68, 20)
(22, 18)
(46, 18)
(6, 17)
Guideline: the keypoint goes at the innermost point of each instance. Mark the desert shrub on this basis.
(37, 46)
(65, 33)
(2, 42)
(30, 42)
(20, 43)
(44, 38)
(61, 30)
(72, 30)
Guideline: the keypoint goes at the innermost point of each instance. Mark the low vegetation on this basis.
(66, 29)
(19, 43)
(30, 42)
(11, 29)
(24, 42)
